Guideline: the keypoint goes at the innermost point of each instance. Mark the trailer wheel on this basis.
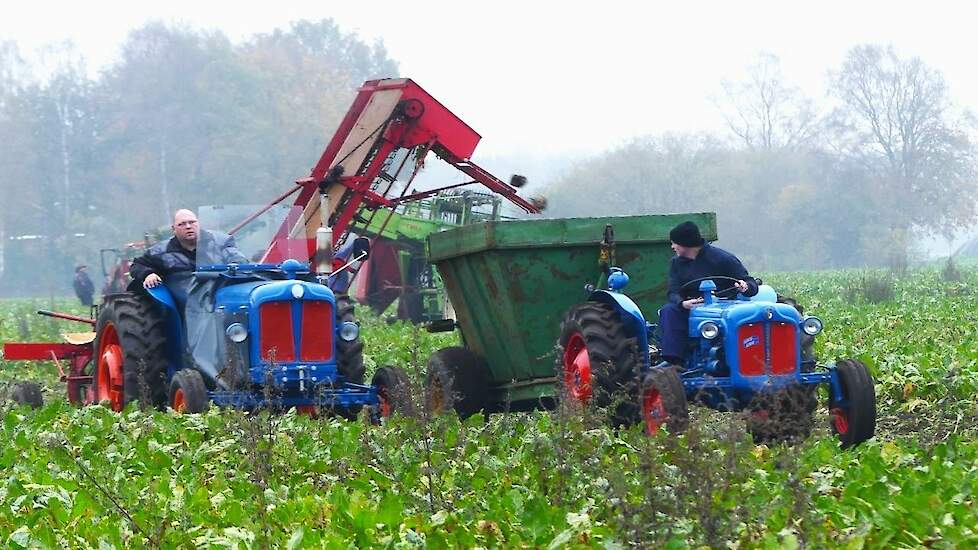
(130, 352)
(394, 391)
(854, 420)
(188, 394)
(599, 361)
(27, 393)
(457, 379)
(663, 401)
(349, 355)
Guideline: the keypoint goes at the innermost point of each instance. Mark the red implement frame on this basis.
(386, 116)
(78, 356)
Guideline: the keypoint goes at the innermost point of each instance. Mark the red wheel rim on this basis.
(109, 369)
(840, 419)
(384, 403)
(179, 402)
(653, 410)
(577, 369)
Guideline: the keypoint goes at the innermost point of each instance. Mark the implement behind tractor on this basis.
(281, 326)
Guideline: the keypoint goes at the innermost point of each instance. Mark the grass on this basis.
(90, 477)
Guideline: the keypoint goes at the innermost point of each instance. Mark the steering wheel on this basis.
(711, 277)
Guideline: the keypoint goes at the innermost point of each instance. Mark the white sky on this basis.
(556, 78)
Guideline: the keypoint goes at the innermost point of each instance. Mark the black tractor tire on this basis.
(141, 329)
(394, 389)
(860, 391)
(193, 392)
(669, 386)
(783, 416)
(457, 379)
(349, 355)
(613, 358)
(27, 393)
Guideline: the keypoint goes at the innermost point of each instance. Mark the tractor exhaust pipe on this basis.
(324, 234)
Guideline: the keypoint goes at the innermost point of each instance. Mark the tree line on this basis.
(184, 117)
(796, 184)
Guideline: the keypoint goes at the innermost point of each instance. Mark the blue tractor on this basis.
(753, 355)
(249, 336)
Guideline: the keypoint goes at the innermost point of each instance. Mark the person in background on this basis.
(695, 259)
(84, 288)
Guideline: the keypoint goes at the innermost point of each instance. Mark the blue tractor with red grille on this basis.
(744, 354)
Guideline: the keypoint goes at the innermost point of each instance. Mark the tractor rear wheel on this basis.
(394, 392)
(663, 401)
(457, 379)
(188, 394)
(130, 352)
(349, 355)
(854, 421)
(599, 363)
(27, 393)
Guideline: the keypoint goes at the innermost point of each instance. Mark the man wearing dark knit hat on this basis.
(695, 259)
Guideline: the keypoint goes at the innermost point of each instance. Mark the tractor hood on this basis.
(253, 293)
(736, 312)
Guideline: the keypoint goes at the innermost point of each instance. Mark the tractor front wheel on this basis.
(598, 361)
(457, 379)
(188, 394)
(27, 393)
(394, 392)
(854, 419)
(130, 352)
(663, 401)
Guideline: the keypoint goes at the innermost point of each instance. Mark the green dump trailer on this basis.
(511, 282)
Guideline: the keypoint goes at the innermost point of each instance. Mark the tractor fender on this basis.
(174, 326)
(632, 316)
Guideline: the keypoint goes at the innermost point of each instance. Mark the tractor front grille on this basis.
(767, 348)
(278, 331)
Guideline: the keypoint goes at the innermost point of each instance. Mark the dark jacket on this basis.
(168, 257)
(84, 288)
(711, 261)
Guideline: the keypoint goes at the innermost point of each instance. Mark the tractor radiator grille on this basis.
(278, 332)
(767, 348)
(275, 325)
(316, 343)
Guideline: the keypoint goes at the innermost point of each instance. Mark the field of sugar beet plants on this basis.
(82, 478)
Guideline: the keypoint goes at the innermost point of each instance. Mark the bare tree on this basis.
(764, 112)
(897, 118)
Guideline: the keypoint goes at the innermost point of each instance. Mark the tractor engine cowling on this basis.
(294, 328)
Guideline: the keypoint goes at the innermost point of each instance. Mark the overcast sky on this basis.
(553, 77)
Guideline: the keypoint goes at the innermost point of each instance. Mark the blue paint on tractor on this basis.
(713, 374)
(242, 289)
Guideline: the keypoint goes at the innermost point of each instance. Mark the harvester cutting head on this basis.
(356, 175)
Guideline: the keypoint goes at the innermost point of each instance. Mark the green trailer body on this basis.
(510, 282)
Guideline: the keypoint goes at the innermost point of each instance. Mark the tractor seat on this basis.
(78, 338)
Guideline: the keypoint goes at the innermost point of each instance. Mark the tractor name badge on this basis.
(751, 341)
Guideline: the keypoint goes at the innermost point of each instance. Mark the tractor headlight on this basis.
(709, 330)
(812, 326)
(349, 331)
(236, 332)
